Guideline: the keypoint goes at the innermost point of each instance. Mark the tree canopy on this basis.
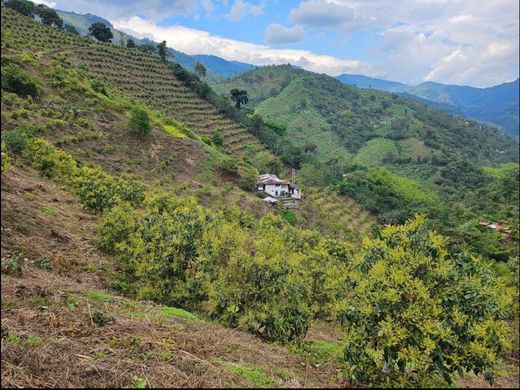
(100, 31)
(239, 96)
(48, 16)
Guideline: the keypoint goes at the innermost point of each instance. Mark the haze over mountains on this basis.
(497, 105)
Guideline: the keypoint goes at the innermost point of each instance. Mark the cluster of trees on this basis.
(47, 15)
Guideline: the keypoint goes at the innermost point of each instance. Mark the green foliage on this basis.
(140, 122)
(176, 312)
(415, 314)
(99, 87)
(161, 48)
(23, 7)
(49, 16)
(217, 138)
(265, 162)
(17, 80)
(130, 43)
(99, 296)
(99, 191)
(248, 178)
(288, 215)
(15, 140)
(200, 69)
(252, 374)
(100, 31)
(5, 160)
(239, 97)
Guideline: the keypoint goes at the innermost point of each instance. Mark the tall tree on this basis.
(100, 31)
(161, 47)
(239, 96)
(130, 43)
(48, 16)
(200, 69)
(23, 7)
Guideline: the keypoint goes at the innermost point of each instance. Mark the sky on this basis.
(464, 42)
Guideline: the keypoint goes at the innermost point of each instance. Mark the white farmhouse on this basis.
(276, 187)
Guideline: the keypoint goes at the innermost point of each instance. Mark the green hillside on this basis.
(356, 130)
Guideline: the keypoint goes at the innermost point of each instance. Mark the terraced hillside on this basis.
(137, 74)
(339, 215)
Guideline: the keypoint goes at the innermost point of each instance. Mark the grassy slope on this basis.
(58, 314)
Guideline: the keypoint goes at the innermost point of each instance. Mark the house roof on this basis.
(268, 178)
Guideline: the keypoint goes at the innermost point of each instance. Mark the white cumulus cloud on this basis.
(192, 41)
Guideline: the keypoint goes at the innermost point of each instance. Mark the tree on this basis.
(23, 7)
(217, 138)
(130, 43)
(140, 122)
(417, 315)
(100, 31)
(239, 96)
(161, 48)
(71, 29)
(48, 16)
(200, 69)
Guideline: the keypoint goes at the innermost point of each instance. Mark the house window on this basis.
(276, 192)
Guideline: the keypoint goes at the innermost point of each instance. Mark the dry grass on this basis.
(61, 328)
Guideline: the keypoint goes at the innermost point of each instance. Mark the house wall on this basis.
(276, 189)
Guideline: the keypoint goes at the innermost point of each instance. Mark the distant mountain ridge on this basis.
(217, 67)
(497, 105)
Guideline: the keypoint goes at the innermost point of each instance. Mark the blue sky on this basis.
(450, 41)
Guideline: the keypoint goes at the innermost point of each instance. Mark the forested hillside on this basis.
(137, 253)
(397, 156)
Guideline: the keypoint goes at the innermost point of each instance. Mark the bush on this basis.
(99, 191)
(259, 285)
(51, 162)
(15, 141)
(140, 122)
(217, 139)
(99, 87)
(248, 179)
(158, 251)
(17, 80)
(416, 315)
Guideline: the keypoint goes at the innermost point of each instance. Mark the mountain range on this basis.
(498, 105)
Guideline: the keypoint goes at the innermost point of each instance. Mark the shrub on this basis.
(140, 122)
(51, 162)
(248, 179)
(99, 87)
(416, 315)
(99, 191)
(260, 286)
(217, 139)
(17, 80)
(227, 164)
(15, 141)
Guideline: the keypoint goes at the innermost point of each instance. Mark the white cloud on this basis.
(193, 41)
(277, 34)
(451, 41)
(240, 8)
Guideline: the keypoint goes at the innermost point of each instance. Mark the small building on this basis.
(275, 187)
